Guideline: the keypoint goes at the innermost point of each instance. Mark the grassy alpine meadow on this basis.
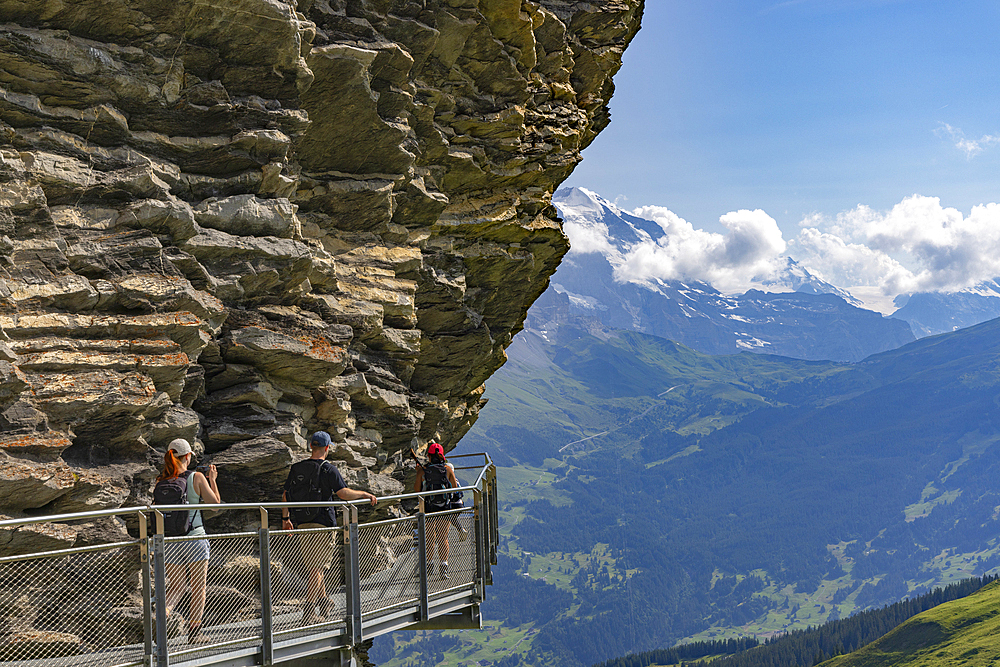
(960, 633)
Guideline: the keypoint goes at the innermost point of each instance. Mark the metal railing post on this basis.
(494, 516)
(358, 628)
(422, 559)
(480, 533)
(494, 525)
(160, 591)
(147, 591)
(352, 578)
(266, 619)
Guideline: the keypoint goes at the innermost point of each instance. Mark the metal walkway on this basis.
(102, 601)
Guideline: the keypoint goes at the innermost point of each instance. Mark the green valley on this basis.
(745, 494)
(651, 494)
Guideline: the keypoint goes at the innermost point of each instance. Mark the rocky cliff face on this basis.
(238, 221)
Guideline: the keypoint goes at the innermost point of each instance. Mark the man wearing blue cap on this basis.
(316, 478)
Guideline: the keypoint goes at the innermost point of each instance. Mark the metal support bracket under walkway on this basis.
(103, 602)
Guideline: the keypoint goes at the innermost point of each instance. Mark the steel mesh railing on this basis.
(459, 528)
(226, 588)
(294, 556)
(79, 608)
(388, 563)
(264, 592)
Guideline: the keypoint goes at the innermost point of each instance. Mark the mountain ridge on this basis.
(810, 319)
(598, 226)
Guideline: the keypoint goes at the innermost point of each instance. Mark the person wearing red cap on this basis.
(438, 474)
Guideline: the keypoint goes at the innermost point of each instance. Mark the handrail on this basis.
(219, 507)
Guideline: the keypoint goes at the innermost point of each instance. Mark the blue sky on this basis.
(804, 107)
(801, 106)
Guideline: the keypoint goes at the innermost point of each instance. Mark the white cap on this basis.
(180, 446)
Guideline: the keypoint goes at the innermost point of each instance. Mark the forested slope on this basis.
(803, 648)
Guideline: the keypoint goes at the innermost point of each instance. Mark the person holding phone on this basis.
(186, 562)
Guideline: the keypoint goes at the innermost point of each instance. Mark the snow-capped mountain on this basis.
(797, 278)
(932, 313)
(793, 313)
(596, 224)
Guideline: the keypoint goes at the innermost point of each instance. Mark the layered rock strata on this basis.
(238, 221)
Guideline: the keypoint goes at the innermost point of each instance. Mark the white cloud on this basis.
(847, 264)
(971, 147)
(752, 246)
(589, 237)
(918, 245)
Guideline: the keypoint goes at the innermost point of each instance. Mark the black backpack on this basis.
(436, 477)
(303, 486)
(174, 492)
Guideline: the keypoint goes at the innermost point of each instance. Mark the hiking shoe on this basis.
(444, 571)
(325, 606)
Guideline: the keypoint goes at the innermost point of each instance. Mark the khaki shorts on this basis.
(317, 548)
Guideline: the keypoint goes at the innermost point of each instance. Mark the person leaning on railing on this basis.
(187, 561)
(310, 475)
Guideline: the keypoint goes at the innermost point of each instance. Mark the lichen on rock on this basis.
(239, 221)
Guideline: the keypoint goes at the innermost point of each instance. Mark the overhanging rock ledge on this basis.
(237, 221)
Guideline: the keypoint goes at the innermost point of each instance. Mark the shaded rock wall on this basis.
(237, 221)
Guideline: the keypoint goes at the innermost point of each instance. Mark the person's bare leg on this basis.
(314, 586)
(443, 546)
(441, 537)
(176, 582)
(198, 573)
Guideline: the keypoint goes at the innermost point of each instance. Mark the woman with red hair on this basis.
(187, 561)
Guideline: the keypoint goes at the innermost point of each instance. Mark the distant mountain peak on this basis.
(587, 215)
(583, 199)
(789, 311)
(595, 224)
(798, 278)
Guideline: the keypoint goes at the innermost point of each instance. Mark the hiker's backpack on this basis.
(303, 486)
(174, 491)
(436, 477)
